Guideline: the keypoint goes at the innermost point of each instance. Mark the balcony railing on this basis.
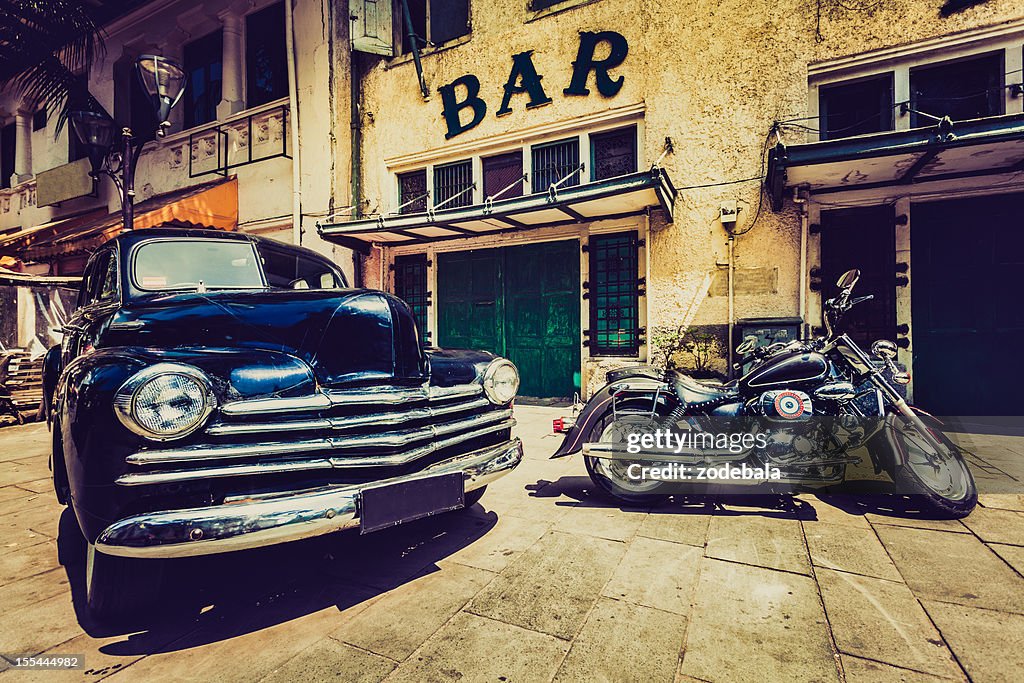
(253, 137)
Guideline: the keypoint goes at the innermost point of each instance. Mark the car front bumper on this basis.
(281, 518)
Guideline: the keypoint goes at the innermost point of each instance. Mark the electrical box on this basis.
(728, 212)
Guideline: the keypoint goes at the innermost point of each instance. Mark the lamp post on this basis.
(164, 82)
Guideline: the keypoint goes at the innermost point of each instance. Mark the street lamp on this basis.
(164, 81)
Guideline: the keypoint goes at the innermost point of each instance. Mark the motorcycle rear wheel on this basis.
(610, 475)
(939, 480)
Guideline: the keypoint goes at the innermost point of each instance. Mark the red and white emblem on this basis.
(789, 404)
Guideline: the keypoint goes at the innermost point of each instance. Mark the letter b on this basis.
(452, 107)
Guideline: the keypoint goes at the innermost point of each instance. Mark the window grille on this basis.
(412, 187)
(452, 183)
(411, 287)
(500, 172)
(613, 153)
(614, 295)
(554, 161)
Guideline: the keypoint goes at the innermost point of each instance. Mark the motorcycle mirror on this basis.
(848, 279)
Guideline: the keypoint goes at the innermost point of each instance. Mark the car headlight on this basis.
(165, 401)
(501, 381)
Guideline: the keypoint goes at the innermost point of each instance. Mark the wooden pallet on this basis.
(24, 380)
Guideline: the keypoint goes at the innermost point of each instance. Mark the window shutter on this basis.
(371, 27)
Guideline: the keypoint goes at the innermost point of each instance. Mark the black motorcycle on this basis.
(794, 421)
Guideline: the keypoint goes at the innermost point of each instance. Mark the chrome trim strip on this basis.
(394, 439)
(342, 462)
(239, 526)
(328, 398)
(344, 423)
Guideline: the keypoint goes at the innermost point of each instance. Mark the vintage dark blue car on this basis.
(219, 391)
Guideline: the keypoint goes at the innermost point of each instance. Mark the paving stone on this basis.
(952, 525)
(625, 642)
(32, 589)
(657, 574)
(551, 587)
(44, 486)
(865, 671)
(602, 520)
(22, 562)
(833, 509)
(29, 524)
(11, 492)
(758, 540)
(850, 549)
(755, 624)
(474, 648)
(231, 646)
(39, 626)
(501, 544)
(329, 659)
(989, 645)
(882, 620)
(29, 501)
(953, 568)
(1002, 501)
(1013, 554)
(396, 624)
(669, 524)
(996, 526)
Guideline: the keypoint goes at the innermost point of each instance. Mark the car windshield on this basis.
(189, 263)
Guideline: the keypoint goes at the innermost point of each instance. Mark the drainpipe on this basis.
(732, 300)
(293, 117)
(802, 203)
(355, 170)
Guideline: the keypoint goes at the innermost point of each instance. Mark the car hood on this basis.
(344, 335)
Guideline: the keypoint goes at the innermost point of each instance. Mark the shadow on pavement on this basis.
(584, 494)
(878, 498)
(218, 597)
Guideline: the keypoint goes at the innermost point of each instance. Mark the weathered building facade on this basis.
(257, 71)
(570, 183)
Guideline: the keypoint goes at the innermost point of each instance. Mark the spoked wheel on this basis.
(610, 475)
(938, 475)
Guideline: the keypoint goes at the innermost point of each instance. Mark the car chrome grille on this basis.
(376, 427)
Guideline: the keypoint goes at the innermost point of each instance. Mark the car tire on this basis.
(121, 589)
(473, 497)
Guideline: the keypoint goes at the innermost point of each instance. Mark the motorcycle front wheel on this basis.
(939, 477)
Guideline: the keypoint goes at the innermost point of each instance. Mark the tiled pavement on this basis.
(546, 581)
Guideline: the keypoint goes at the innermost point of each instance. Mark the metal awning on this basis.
(979, 152)
(16, 279)
(618, 197)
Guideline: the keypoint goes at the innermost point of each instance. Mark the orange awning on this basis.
(210, 205)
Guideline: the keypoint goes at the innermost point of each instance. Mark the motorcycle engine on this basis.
(790, 437)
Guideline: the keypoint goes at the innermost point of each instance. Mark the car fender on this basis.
(886, 455)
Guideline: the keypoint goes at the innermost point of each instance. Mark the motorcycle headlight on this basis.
(165, 401)
(501, 381)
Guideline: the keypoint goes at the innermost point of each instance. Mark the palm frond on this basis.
(46, 46)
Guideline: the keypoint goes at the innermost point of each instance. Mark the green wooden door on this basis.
(470, 312)
(542, 316)
(519, 302)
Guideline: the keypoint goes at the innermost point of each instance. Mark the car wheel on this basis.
(61, 484)
(473, 497)
(120, 589)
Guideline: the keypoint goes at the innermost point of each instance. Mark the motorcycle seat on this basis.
(692, 391)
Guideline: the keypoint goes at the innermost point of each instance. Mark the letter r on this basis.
(585, 63)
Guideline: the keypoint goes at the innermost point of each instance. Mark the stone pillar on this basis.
(231, 84)
(22, 148)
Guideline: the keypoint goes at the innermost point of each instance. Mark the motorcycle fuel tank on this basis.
(786, 369)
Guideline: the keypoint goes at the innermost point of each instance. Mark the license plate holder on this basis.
(389, 505)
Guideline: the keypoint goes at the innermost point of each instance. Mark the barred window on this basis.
(452, 183)
(614, 295)
(501, 172)
(411, 287)
(412, 191)
(613, 153)
(554, 161)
